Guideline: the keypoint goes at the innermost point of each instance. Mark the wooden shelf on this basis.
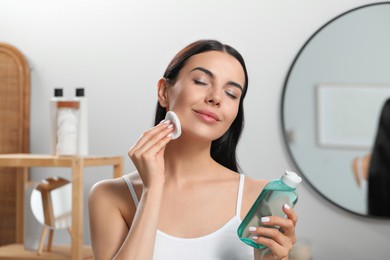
(77, 165)
(17, 251)
(42, 160)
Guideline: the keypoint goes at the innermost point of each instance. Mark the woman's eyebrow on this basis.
(209, 73)
(204, 70)
(234, 84)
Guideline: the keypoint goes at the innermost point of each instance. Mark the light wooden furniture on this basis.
(14, 137)
(17, 252)
(77, 165)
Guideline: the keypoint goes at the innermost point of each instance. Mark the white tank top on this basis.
(222, 244)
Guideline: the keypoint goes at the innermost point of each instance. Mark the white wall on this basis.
(118, 50)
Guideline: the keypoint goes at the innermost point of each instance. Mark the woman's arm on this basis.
(110, 236)
(111, 239)
(108, 229)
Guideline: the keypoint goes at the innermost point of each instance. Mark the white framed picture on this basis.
(348, 113)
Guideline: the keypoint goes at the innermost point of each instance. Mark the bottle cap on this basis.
(79, 92)
(291, 179)
(58, 92)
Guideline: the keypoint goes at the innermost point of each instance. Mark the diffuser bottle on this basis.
(270, 203)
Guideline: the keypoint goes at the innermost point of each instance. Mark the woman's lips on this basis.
(207, 116)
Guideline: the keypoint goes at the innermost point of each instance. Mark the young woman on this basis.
(186, 199)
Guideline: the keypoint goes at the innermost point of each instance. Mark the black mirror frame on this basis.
(283, 128)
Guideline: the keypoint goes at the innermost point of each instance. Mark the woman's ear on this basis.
(162, 92)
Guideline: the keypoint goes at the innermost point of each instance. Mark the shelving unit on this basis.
(77, 164)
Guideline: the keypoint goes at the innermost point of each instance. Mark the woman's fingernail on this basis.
(167, 122)
(255, 237)
(286, 206)
(170, 135)
(252, 228)
(170, 126)
(265, 219)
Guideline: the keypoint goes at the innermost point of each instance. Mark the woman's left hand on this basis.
(278, 241)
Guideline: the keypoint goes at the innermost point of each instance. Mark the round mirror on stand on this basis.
(51, 204)
(334, 94)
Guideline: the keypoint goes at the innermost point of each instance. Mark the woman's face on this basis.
(206, 94)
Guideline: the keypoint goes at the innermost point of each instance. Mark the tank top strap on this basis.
(239, 195)
(131, 189)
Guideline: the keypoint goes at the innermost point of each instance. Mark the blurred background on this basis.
(117, 50)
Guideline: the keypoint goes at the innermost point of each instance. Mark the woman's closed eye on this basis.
(200, 82)
(231, 95)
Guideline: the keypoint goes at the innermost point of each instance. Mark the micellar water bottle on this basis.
(270, 203)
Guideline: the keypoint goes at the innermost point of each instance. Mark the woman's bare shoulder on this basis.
(252, 189)
(107, 187)
(115, 190)
(254, 185)
(111, 213)
(112, 197)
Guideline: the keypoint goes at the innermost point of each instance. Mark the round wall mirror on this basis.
(332, 100)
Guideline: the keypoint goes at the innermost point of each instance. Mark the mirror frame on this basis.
(282, 117)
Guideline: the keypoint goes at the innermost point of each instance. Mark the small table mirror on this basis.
(51, 204)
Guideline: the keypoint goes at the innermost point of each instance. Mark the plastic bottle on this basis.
(83, 122)
(270, 203)
(58, 96)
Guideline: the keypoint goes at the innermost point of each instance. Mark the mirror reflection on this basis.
(51, 204)
(372, 171)
(333, 98)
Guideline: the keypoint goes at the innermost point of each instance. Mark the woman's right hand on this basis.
(147, 153)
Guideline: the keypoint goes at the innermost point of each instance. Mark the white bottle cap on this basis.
(176, 122)
(291, 179)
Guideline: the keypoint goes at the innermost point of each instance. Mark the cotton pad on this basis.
(171, 116)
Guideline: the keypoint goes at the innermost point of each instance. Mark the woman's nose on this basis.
(213, 97)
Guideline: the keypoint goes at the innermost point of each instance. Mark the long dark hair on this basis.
(223, 150)
(379, 171)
